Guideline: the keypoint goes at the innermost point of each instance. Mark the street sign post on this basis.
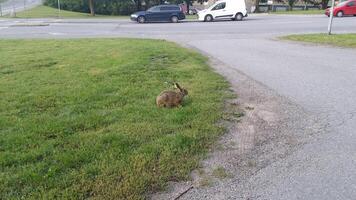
(331, 16)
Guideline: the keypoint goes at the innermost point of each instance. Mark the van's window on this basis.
(352, 3)
(219, 6)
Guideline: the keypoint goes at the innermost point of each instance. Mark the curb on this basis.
(29, 24)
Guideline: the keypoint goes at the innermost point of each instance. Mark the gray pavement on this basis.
(318, 79)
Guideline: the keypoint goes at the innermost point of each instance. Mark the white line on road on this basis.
(55, 33)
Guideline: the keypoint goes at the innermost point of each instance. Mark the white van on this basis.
(224, 9)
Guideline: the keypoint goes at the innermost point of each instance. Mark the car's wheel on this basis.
(174, 19)
(340, 14)
(208, 18)
(239, 17)
(141, 19)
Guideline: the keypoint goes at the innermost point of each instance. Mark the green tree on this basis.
(91, 7)
(257, 5)
(291, 4)
(112, 7)
(187, 2)
(324, 4)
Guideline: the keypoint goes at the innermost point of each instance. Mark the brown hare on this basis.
(169, 99)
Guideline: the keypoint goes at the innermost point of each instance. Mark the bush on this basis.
(105, 7)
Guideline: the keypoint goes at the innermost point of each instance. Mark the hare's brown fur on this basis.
(171, 99)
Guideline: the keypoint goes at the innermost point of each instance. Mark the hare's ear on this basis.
(177, 86)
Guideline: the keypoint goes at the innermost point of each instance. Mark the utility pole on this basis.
(331, 16)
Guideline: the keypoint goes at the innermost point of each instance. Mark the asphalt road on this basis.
(319, 79)
(17, 5)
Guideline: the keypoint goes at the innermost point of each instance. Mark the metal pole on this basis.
(331, 14)
(59, 9)
(0, 10)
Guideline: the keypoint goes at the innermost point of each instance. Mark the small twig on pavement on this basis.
(181, 194)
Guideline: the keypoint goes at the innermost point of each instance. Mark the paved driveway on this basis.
(318, 79)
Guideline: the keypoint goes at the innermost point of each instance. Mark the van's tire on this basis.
(174, 19)
(141, 19)
(208, 18)
(239, 17)
(340, 14)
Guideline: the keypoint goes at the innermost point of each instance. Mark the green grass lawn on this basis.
(191, 17)
(300, 12)
(342, 40)
(49, 12)
(78, 117)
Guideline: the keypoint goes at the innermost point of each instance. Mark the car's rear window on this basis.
(170, 8)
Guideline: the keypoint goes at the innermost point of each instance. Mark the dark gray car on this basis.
(161, 13)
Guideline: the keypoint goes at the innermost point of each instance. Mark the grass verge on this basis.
(341, 40)
(300, 12)
(191, 17)
(78, 117)
(49, 12)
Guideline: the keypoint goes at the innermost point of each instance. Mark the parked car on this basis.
(224, 9)
(161, 13)
(343, 8)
